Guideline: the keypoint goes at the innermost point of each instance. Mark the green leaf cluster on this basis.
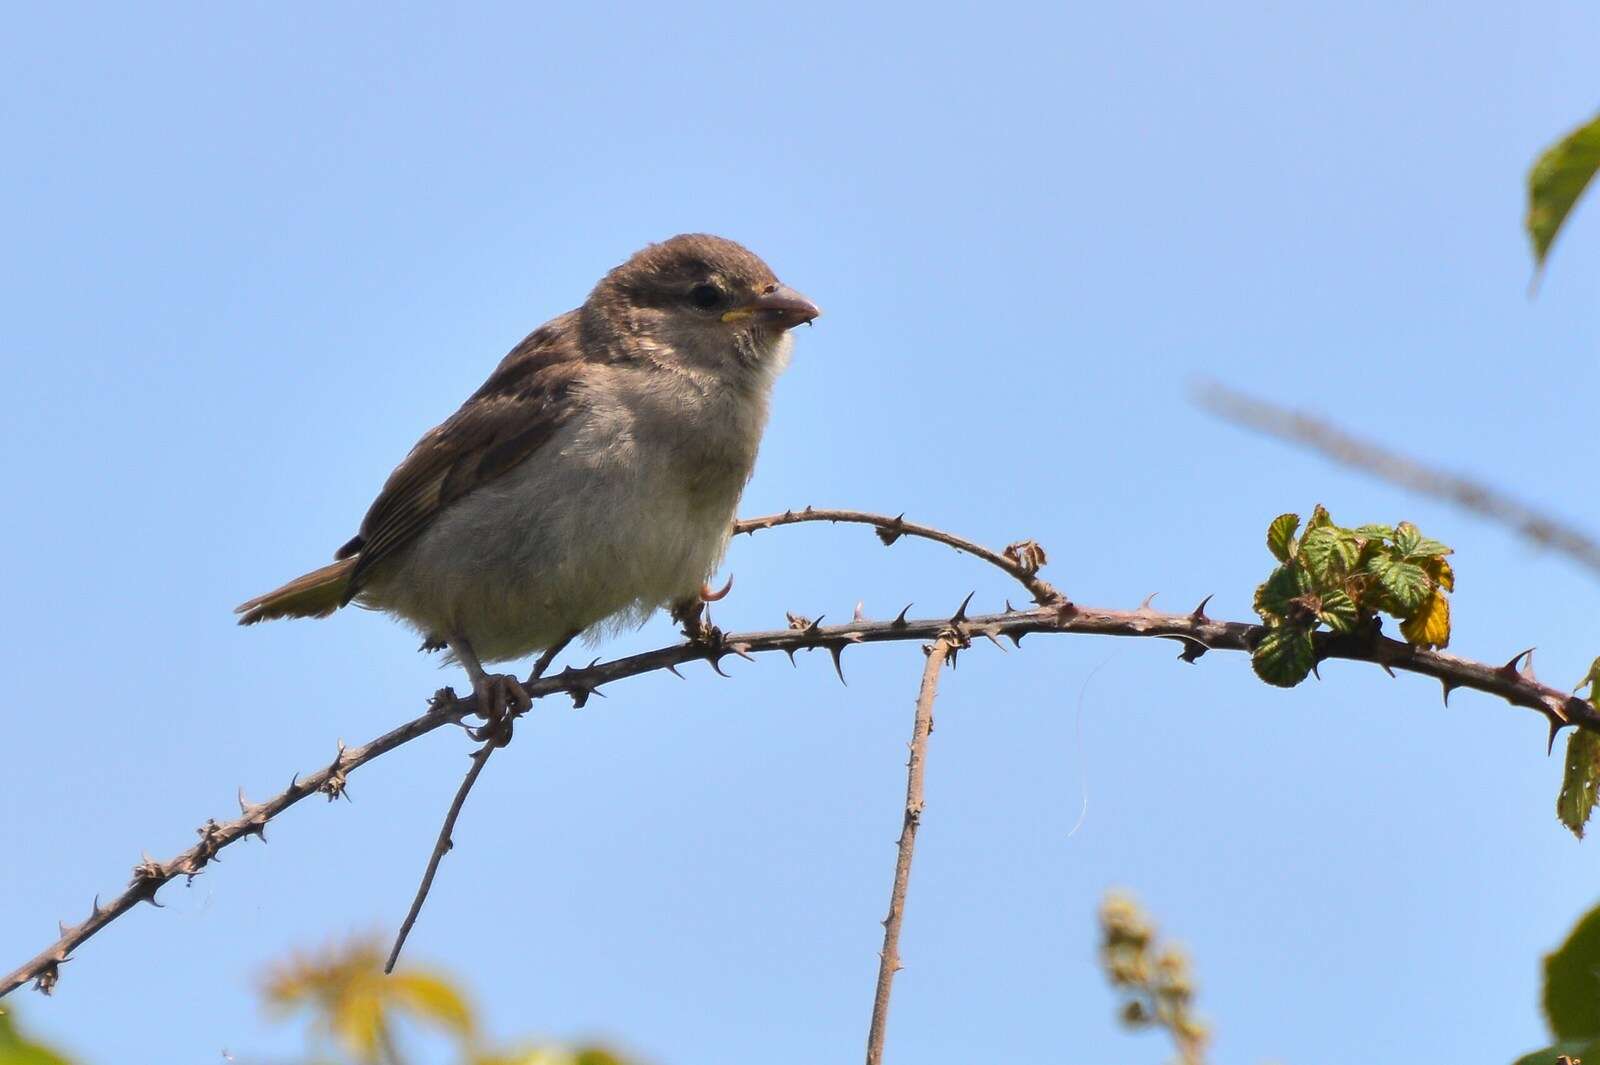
(1343, 578)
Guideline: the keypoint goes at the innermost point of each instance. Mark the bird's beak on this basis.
(780, 305)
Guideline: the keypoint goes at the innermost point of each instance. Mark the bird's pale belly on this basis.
(521, 564)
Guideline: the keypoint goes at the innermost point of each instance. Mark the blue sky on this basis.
(254, 251)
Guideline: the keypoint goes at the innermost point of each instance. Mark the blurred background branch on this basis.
(1325, 438)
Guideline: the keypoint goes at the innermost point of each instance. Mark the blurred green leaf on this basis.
(1556, 180)
(1576, 1049)
(1572, 982)
(1579, 781)
(1375, 532)
(1284, 656)
(17, 1049)
(1280, 536)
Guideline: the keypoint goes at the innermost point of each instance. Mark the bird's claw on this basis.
(696, 622)
(501, 699)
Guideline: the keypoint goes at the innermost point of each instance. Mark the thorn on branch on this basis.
(580, 691)
(961, 611)
(1510, 670)
(900, 621)
(255, 814)
(334, 786)
(148, 876)
(890, 531)
(1199, 613)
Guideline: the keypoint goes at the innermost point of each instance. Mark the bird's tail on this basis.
(315, 595)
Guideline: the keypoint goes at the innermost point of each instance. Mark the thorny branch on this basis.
(1329, 440)
(1196, 632)
(1021, 560)
(889, 959)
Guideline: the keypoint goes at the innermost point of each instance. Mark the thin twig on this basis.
(891, 529)
(1194, 631)
(480, 758)
(889, 959)
(1329, 440)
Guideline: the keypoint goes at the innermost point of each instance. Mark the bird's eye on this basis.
(705, 296)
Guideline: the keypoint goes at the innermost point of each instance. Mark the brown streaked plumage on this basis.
(592, 476)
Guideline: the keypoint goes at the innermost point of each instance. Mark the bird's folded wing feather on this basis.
(521, 406)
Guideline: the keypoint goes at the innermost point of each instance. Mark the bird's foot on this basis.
(696, 621)
(501, 699)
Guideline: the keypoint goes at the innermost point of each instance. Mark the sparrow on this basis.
(590, 481)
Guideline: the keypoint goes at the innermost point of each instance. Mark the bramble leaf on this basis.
(1339, 611)
(1328, 553)
(1280, 536)
(1375, 532)
(1406, 538)
(1430, 625)
(1284, 656)
(1406, 582)
(1276, 594)
(1556, 180)
(1579, 781)
(1591, 680)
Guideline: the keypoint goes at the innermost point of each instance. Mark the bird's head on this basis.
(706, 300)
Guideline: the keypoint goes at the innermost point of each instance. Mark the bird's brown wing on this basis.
(522, 405)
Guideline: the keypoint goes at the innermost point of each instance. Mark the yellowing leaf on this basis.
(1430, 625)
(1442, 574)
(432, 998)
(356, 1020)
(1556, 180)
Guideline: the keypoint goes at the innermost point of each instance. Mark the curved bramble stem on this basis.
(1195, 632)
(890, 529)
